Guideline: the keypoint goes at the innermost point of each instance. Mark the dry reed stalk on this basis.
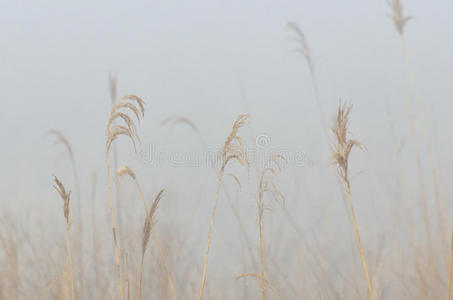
(287, 214)
(400, 21)
(233, 149)
(65, 196)
(175, 121)
(180, 120)
(127, 276)
(113, 86)
(304, 49)
(133, 104)
(148, 227)
(450, 266)
(60, 139)
(267, 284)
(266, 184)
(94, 235)
(401, 181)
(341, 150)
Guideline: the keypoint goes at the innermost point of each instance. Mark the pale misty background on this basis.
(192, 59)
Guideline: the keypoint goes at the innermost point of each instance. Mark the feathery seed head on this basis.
(130, 103)
(343, 145)
(266, 183)
(61, 139)
(177, 120)
(234, 145)
(149, 221)
(304, 49)
(397, 15)
(125, 170)
(65, 196)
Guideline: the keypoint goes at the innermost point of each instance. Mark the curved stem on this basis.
(68, 245)
(112, 214)
(211, 225)
(359, 243)
(159, 249)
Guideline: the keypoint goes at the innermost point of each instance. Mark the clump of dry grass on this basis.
(133, 104)
(65, 196)
(233, 149)
(341, 151)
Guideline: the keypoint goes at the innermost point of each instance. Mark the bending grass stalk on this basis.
(400, 21)
(148, 228)
(94, 236)
(450, 266)
(133, 104)
(341, 150)
(359, 243)
(410, 108)
(211, 225)
(112, 215)
(127, 276)
(61, 139)
(65, 196)
(267, 185)
(149, 216)
(267, 284)
(233, 149)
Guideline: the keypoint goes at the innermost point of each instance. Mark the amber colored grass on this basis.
(233, 149)
(65, 196)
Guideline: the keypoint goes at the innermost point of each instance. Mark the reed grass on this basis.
(450, 268)
(400, 22)
(65, 196)
(267, 185)
(233, 149)
(148, 228)
(135, 105)
(341, 151)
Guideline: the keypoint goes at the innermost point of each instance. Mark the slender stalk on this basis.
(359, 243)
(260, 224)
(68, 246)
(140, 278)
(415, 143)
(65, 196)
(159, 249)
(112, 215)
(211, 225)
(450, 264)
(127, 276)
(94, 231)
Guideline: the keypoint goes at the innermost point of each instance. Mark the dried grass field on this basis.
(309, 196)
